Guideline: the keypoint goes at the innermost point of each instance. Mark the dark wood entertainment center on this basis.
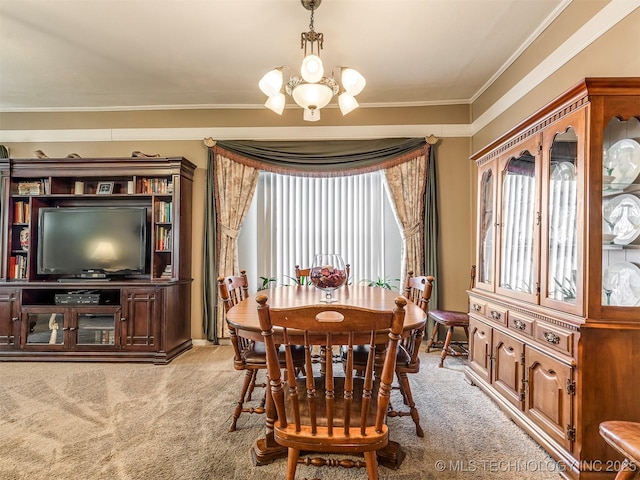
(141, 317)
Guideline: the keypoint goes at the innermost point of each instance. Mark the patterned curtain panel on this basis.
(233, 187)
(232, 176)
(405, 187)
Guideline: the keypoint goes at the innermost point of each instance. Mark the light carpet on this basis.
(95, 421)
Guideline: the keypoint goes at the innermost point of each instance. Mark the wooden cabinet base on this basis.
(158, 358)
(128, 321)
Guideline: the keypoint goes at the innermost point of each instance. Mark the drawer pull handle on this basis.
(519, 324)
(477, 307)
(551, 337)
(495, 315)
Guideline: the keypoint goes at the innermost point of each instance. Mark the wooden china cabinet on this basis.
(555, 313)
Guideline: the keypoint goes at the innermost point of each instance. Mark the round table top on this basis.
(244, 315)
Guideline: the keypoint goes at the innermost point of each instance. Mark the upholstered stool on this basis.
(450, 320)
(624, 437)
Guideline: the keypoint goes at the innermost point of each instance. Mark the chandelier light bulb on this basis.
(271, 83)
(312, 69)
(347, 103)
(276, 103)
(352, 81)
(312, 95)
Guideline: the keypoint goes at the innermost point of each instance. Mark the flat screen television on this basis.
(92, 241)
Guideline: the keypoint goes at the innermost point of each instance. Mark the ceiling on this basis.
(58, 55)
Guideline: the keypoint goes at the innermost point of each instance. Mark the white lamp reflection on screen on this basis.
(104, 252)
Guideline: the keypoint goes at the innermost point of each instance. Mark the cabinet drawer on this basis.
(496, 314)
(477, 306)
(555, 338)
(521, 324)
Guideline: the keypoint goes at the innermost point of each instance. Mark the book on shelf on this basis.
(166, 273)
(21, 212)
(18, 267)
(163, 238)
(157, 185)
(164, 212)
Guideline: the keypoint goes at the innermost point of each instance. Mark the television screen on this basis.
(76, 240)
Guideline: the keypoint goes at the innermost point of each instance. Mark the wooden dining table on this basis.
(243, 317)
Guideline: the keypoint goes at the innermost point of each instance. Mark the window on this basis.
(293, 218)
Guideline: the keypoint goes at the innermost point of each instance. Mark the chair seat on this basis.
(361, 352)
(450, 318)
(257, 355)
(624, 437)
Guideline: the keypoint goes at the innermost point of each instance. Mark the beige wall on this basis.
(610, 55)
(614, 54)
(455, 186)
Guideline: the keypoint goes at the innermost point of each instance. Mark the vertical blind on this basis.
(299, 217)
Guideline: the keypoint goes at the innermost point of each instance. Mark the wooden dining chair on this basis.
(330, 413)
(232, 290)
(451, 320)
(624, 437)
(247, 354)
(417, 290)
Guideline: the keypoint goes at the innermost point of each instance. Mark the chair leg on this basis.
(371, 459)
(433, 337)
(252, 385)
(405, 388)
(445, 347)
(292, 463)
(236, 414)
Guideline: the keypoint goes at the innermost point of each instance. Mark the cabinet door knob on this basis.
(14, 319)
(519, 324)
(551, 337)
(123, 319)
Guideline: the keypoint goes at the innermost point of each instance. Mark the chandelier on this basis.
(312, 90)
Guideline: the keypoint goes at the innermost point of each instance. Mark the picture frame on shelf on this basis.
(104, 188)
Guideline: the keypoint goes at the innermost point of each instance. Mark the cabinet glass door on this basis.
(96, 329)
(486, 230)
(45, 328)
(562, 255)
(518, 219)
(621, 213)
